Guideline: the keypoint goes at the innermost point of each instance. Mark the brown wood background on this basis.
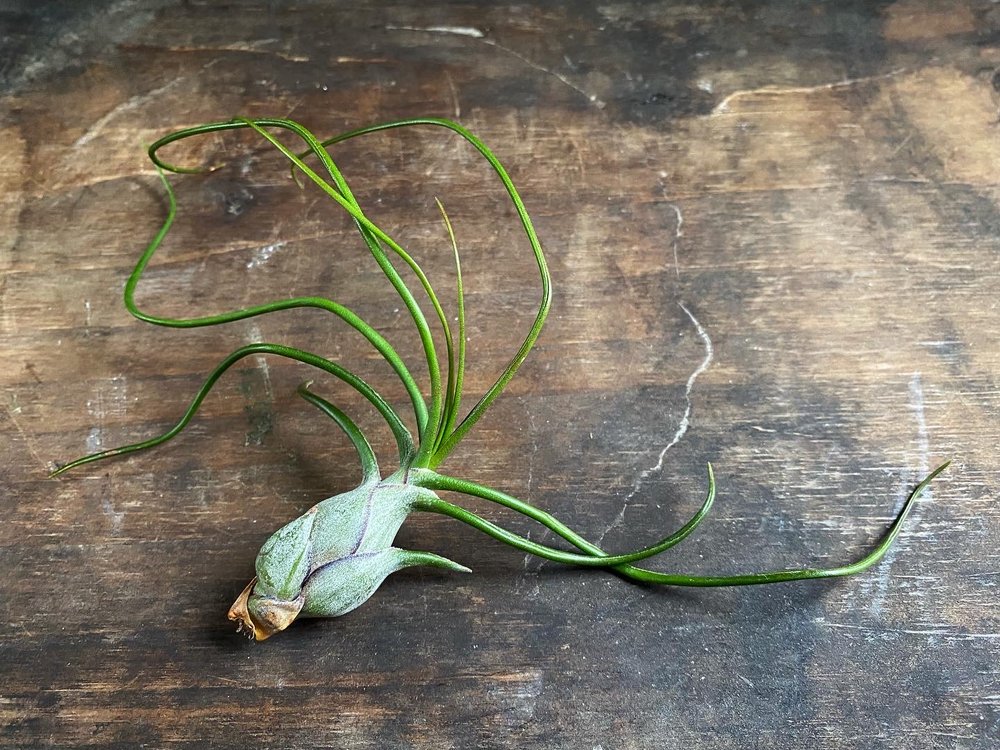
(774, 234)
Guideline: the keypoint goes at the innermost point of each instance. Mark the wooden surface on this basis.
(775, 239)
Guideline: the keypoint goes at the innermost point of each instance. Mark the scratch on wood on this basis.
(516, 694)
(881, 632)
(362, 60)
(254, 336)
(259, 410)
(678, 233)
(682, 428)
(923, 441)
(457, 30)
(254, 46)
(592, 98)
(134, 103)
(534, 449)
(528, 558)
(916, 405)
(723, 106)
(13, 409)
(530, 567)
(456, 107)
(475, 33)
(100, 408)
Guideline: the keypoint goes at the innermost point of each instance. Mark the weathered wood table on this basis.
(775, 240)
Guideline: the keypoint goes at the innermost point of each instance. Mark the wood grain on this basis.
(774, 232)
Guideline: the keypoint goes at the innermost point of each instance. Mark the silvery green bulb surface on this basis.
(332, 558)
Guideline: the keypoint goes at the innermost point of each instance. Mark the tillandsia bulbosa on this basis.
(333, 558)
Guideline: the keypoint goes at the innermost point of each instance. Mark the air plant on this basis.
(332, 558)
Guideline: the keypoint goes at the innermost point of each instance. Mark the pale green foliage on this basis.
(336, 554)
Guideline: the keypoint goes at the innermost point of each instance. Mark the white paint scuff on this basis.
(457, 30)
(682, 427)
(916, 406)
(263, 254)
(678, 233)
